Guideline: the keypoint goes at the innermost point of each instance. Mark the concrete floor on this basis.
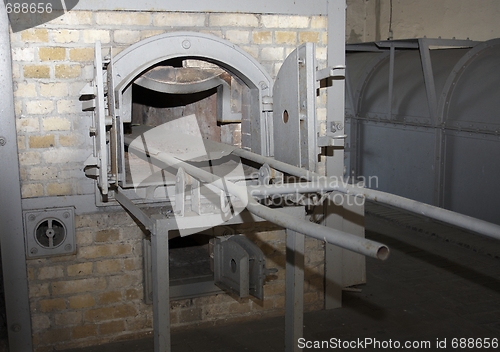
(439, 283)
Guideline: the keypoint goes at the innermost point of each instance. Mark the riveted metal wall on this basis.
(426, 123)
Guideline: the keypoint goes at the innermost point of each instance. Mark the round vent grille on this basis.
(50, 233)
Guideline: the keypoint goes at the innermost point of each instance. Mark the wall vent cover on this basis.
(49, 232)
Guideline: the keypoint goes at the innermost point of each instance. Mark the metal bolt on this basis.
(186, 44)
(16, 327)
(32, 217)
(66, 215)
(33, 251)
(3, 141)
(263, 85)
(68, 247)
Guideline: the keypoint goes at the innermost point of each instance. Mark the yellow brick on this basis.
(308, 37)
(23, 54)
(109, 313)
(179, 20)
(107, 235)
(286, 38)
(40, 322)
(68, 106)
(127, 280)
(238, 37)
(39, 107)
(21, 143)
(272, 54)
(111, 327)
(110, 297)
(104, 251)
(41, 141)
(109, 266)
(35, 36)
(52, 54)
(123, 18)
(56, 335)
(49, 305)
(53, 89)
(78, 286)
(29, 158)
(79, 302)
(132, 264)
(59, 189)
(74, 18)
(132, 294)
(126, 37)
(233, 19)
(80, 332)
(65, 36)
(84, 237)
(151, 33)
(319, 22)
(68, 71)
(40, 290)
(18, 108)
(68, 318)
(56, 124)
(81, 54)
(36, 71)
(42, 173)
(69, 140)
(31, 190)
(82, 269)
(92, 35)
(51, 272)
(321, 53)
(284, 21)
(26, 90)
(262, 37)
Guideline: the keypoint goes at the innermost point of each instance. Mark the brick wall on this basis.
(95, 296)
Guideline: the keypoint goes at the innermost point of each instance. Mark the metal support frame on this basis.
(294, 282)
(161, 283)
(335, 161)
(11, 217)
(163, 225)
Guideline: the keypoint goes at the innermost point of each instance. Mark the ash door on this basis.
(294, 109)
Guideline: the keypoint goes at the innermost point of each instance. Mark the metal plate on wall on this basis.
(49, 232)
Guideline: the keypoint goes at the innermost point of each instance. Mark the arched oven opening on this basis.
(197, 98)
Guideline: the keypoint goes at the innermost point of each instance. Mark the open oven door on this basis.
(93, 96)
(294, 109)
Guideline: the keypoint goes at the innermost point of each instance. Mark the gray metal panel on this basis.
(472, 173)
(409, 98)
(294, 117)
(303, 7)
(11, 218)
(357, 67)
(408, 92)
(473, 100)
(400, 157)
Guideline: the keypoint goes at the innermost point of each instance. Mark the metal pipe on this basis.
(336, 237)
(279, 165)
(330, 184)
(463, 221)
